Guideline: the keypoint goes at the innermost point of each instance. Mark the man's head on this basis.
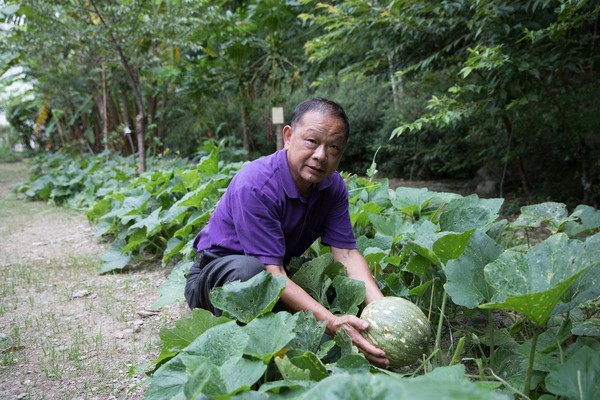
(315, 141)
(324, 106)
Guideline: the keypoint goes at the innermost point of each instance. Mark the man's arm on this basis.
(358, 268)
(296, 299)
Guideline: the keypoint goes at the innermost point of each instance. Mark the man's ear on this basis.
(287, 136)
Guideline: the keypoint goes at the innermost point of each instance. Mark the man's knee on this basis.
(246, 267)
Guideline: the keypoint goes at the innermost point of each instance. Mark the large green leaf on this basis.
(114, 259)
(411, 201)
(311, 275)
(587, 219)
(152, 223)
(137, 239)
(204, 380)
(241, 373)
(316, 276)
(245, 301)
(554, 215)
(532, 283)
(441, 385)
(185, 331)
(167, 382)
(590, 327)
(578, 378)
(220, 343)
(391, 225)
(172, 288)
(308, 332)
(350, 293)
(451, 245)
(351, 364)
(280, 327)
(471, 212)
(587, 287)
(466, 284)
(440, 247)
(308, 361)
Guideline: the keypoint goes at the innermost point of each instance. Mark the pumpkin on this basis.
(398, 327)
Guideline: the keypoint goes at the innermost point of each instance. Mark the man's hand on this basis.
(354, 327)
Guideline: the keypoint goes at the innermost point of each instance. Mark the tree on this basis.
(515, 75)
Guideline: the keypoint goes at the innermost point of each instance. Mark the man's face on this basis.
(314, 148)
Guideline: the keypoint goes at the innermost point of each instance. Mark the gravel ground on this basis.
(65, 331)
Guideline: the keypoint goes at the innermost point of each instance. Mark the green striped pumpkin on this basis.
(399, 328)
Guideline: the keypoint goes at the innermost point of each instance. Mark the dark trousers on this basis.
(211, 271)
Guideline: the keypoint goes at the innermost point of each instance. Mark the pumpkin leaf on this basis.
(219, 343)
(466, 284)
(204, 380)
(394, 225)
(384, 387)
(114, 259)
(247, 300)
(185, 331)
(586, 219)
(532, 283)
(352, 364)
(280, 326)
(578, 377)
(350, 293)
(316, 276)
(587, 287)
(168, 380)
(310, 362)
(411, 201)
(239, 374)
(465, 213)
(440, 247)
(554, 215)
(591, 327)
(308, 332)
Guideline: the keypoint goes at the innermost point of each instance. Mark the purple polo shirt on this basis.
(262, 214)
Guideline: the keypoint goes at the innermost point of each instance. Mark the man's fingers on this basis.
(354, 327)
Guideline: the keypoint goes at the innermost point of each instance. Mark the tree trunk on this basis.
(396, 85)
(243, 117)
(520, 166)
(134, 82)
(162, 121)
(61, 132)
(104, 111)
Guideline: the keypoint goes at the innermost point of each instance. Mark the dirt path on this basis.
(65, 331)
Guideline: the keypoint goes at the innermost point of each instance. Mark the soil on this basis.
(67, 332)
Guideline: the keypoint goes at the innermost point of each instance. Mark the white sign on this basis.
(277, 115)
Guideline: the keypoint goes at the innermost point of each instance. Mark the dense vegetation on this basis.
(140, 112)
(504, 92)
(513, 302)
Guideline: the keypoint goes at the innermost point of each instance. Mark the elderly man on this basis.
(275, 208)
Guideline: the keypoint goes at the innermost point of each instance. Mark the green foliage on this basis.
(481, 83)
(540, 272)
(229, 358)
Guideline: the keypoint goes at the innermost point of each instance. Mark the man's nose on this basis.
(320, 153)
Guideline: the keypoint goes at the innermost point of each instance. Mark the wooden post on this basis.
(278, 120)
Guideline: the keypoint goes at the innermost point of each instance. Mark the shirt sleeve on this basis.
(257, 225)
(338, 227)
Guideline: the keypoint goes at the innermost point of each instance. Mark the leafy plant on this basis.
(533, 283)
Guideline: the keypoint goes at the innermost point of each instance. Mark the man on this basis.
(275, 208)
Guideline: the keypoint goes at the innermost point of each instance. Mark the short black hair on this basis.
(322, 105)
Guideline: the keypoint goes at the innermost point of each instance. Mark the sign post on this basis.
(278, 120)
